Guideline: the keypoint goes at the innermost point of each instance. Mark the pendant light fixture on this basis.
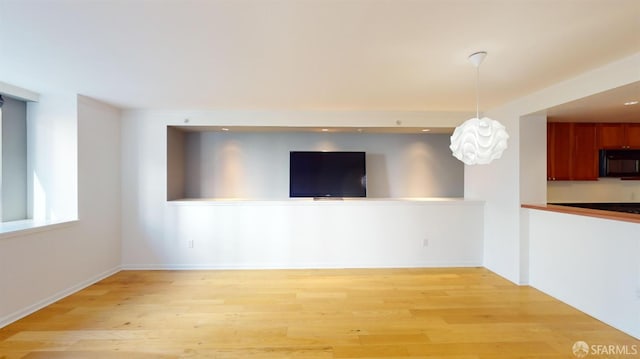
(478, 140)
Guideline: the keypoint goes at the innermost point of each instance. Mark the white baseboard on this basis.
(250, 266)
(6, 320)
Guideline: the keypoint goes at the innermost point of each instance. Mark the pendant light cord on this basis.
(478, 92)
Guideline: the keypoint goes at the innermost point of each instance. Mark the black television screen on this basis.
(327, 174)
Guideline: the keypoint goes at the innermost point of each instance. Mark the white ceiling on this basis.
(308, 54)
(608, 106)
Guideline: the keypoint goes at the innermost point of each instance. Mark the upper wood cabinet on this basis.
(572, 152)
(619, 135)
(633, 135)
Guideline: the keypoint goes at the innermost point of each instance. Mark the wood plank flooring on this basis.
(455, 313)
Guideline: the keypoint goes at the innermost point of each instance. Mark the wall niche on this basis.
(217, 164)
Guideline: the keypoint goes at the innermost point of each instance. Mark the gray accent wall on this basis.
(255, 165)
(14, 160)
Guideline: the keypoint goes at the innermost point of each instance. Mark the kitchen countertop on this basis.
(578, 209)
(625, 207)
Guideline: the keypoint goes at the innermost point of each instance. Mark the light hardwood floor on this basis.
(461, 313)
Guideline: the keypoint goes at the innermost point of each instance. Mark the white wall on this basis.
(533, 172)
(590, 263)
(310, 234)
(256, 165)
(602, 190)
(497, 182)
(39, 267)
(500, 184)
(533, 159)
(279, 232)
(52, 150)
(283, 118)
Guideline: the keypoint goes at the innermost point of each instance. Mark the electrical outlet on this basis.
(191, 243)
(425, 243)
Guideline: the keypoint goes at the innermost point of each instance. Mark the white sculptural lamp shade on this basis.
(479, 141)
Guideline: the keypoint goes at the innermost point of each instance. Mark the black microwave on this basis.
(619, 163)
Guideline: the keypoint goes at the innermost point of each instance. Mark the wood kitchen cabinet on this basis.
(572, 152)
(584, 164)
(558, 151)
(619, 135)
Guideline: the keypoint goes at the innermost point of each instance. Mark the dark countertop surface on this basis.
(626, 207)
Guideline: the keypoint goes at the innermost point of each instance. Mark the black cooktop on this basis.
(616, 207)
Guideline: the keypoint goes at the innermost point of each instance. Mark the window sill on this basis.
(30, 226)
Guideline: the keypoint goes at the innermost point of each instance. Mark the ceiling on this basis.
(616, 105)
(407, 55)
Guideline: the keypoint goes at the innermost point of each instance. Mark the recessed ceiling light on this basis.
(225, 129)
(325, 130)
(426, 130)
(631, 103)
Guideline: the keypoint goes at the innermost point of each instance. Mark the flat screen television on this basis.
(327, 174)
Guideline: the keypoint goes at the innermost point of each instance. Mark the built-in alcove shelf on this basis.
(347, 202)
(207, 163)
(443, 200)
